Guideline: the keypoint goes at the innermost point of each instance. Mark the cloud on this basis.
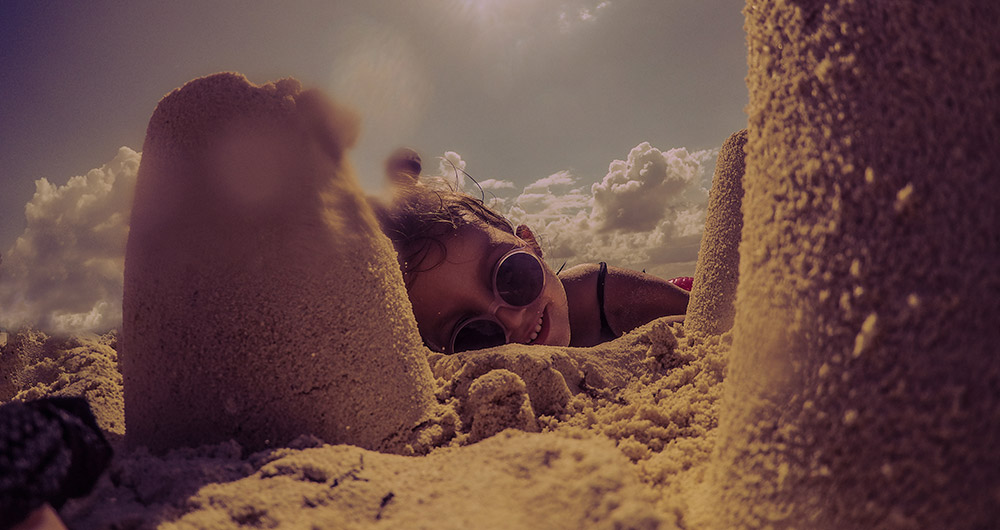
(64, 273)
(647, 212)
(494, 184)
(570, 17)
(451, 174)
(556, 196)
(451, 168)
(650, 186)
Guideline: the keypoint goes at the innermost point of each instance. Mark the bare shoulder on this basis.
(631, 299)
(580, 283)
(579, 273)
(634, 298)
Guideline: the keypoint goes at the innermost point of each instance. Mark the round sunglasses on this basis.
(518, 280)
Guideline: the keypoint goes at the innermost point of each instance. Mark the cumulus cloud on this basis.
(451, 168)
(650, 186)
(556, 196)
(64, 273)
(647, 212)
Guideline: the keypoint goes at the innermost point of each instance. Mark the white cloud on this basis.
(451, 167)
(494, 184)
(64, 273)
(451, 174)
(647, 188)
(553, 197)
(647, 212)
(555, 180)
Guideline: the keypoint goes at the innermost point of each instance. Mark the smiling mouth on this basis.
(540, 332)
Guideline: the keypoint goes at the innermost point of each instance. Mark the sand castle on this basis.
(712, 309)
(258, 288)
(863, 384)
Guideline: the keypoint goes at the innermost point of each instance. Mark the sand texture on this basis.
(273, 376)
(712, 309)
(863, 383)
(622, 434)
(32, 366)
(261, 301)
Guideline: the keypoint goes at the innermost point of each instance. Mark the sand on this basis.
(857, 387)
(620, 439)
(260, 300)
(712, 309)
(863, 383)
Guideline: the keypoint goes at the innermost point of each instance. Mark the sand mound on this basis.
(261, 301)
(864, 372)
(529, 481)
(712, 309)
(32, 366)
(623, 443)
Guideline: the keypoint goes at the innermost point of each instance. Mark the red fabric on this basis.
(684, 282)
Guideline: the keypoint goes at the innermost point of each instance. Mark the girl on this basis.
(475, 281)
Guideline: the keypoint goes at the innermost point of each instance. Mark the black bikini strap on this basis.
(605, 327)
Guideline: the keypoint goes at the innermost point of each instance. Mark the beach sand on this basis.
(621, 442)
(857, 388)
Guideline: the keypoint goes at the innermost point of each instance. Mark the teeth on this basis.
(538, 328)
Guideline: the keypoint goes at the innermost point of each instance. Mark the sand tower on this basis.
(712, 309)
(261, 300)
(864, 389)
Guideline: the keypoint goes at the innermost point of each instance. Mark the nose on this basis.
(516, 321)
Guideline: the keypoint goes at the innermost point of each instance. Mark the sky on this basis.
(597, 122)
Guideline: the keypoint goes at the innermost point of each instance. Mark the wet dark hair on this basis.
(420, 217)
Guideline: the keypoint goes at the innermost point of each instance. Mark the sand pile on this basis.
(260, 299)
(863, 389)
(32, 366)
(622, 433)
(712, 309)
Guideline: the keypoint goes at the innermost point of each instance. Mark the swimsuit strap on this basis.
(605, 327)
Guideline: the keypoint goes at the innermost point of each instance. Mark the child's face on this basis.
(461, 286)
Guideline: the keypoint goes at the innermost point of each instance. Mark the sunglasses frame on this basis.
(498, 300)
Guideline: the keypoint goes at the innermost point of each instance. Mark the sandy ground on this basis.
(626, 448)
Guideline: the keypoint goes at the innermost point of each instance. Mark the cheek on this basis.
(559, 313)
(558, 296)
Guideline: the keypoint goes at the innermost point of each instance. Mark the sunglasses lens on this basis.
(478, 334)
(520, 279)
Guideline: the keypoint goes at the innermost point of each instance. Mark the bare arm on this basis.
(631, 299)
